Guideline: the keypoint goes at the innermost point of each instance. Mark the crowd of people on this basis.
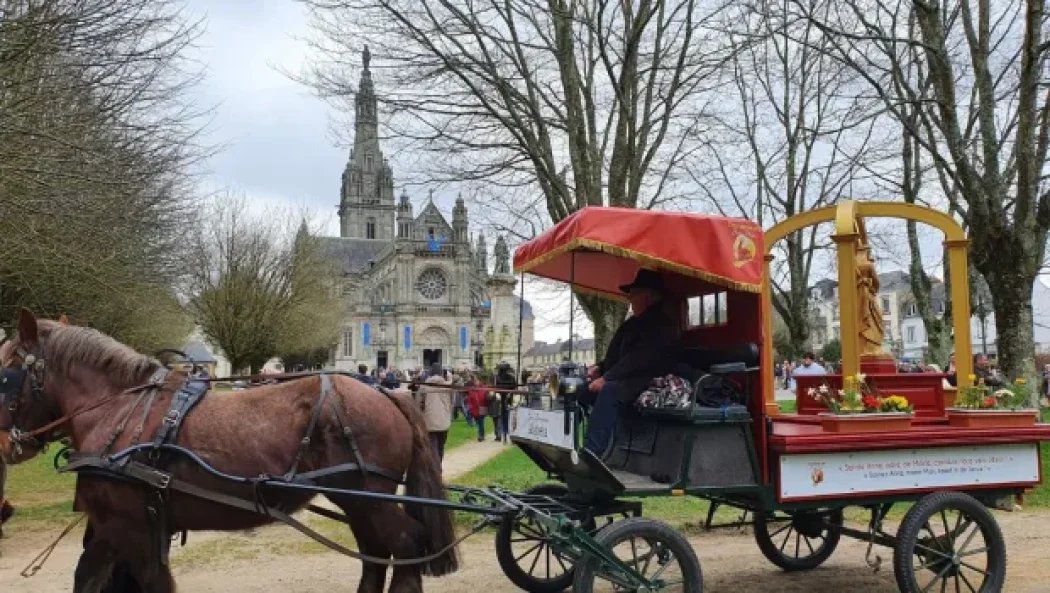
(983, 369)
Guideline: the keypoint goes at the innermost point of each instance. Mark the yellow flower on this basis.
(972, 376)
(1021, 381)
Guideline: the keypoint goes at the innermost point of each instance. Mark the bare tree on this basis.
(793, 138)
(563, 104)
(976, 83)
(98, 144)
(255, 290)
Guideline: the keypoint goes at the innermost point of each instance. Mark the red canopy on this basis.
(609, 245)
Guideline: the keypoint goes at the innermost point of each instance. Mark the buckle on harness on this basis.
(172, 416)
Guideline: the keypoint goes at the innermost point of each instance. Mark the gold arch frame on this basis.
(849, 216)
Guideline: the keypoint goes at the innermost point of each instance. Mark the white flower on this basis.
(1003, 393)
(824, 389)
(811, 392)
(861, 377)
(842, 392)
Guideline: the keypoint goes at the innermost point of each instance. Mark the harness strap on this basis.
(348, 435)
(124, 422)
(152, 399)
(183, 401)
(239, 503)
(326, 384)
(367, 468)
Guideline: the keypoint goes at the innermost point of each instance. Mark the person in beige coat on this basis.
(437, 408)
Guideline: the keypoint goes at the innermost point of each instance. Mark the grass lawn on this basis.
(460, 433)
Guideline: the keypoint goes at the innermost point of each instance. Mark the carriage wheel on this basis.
(799, 541)
(525, 555)
(949, 541)
(653, 549)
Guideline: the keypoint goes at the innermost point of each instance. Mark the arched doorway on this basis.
(435, 343)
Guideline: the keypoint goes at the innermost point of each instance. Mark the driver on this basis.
(637, 352)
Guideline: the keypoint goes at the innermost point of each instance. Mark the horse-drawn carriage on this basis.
(790, 475)
(355, 445)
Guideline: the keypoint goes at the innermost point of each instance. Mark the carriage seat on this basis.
(695, 361)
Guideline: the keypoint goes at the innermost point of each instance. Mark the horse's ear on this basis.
(27, 328)
(63, 320)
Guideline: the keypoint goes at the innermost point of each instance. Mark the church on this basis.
(417, 290)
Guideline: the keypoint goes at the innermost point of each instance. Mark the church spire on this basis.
(366, 208)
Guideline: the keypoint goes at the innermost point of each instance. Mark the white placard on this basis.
(863, 472)
(541, 426)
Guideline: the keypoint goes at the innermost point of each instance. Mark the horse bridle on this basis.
(12, 387)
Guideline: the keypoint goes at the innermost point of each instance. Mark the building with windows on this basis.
(905, 334)
(418, 290)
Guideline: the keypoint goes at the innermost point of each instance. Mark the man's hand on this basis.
(597, 384)
(594, 372)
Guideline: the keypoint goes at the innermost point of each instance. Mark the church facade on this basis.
(417, 289)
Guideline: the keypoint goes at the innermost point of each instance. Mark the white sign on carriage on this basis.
(817, 475)
(542, 426)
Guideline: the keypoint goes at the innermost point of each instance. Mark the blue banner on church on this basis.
(463, 337)
(366, 333)
(408, 337)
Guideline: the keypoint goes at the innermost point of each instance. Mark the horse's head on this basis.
(23, 403)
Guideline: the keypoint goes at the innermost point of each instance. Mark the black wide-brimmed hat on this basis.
(646, 279)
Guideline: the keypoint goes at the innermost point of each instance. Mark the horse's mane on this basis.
(65, 347)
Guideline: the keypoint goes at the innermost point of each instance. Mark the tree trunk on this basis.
(606, 315)
(1014, 331)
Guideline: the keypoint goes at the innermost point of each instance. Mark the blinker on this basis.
(11, 381)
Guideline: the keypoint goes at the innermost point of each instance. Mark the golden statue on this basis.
(869, 309)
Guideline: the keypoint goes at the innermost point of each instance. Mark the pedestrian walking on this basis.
(477, 403)
(437, 408)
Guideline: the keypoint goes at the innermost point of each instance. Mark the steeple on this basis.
(405, 220)
(366, 205)
(481, 255)
(459, 221)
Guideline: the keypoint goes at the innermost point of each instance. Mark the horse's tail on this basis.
(424, 480)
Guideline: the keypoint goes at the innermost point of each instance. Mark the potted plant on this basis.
(858, 407)
(979, 406)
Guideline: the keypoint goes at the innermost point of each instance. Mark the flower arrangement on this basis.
(857, 397)
(978, 396)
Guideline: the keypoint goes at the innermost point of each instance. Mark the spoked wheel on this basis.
(949, 542)
(658, 553)
(525, 555)
(801, 540)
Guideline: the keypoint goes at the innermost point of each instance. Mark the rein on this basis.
(18, 435)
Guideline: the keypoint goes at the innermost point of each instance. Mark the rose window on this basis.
(432, 284)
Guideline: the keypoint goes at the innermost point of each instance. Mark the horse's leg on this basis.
(385, 530)
(95, 567)
(404, 538)
(369, 542)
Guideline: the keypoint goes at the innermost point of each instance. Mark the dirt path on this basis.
(278, 559)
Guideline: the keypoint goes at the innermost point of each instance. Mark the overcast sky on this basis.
(277, 145)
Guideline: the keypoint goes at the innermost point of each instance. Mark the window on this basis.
(885, 305)
(370, 228)
(402, 230)
(348, 343)
(911, 335)
(836, 329)
(432, 284)
(368, 161)
(912, 309)
(708, 310)
(940, 306)
(430, 232)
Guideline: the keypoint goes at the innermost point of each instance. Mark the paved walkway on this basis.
(469, 455)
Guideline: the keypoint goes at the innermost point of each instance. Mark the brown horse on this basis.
(247, 433)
